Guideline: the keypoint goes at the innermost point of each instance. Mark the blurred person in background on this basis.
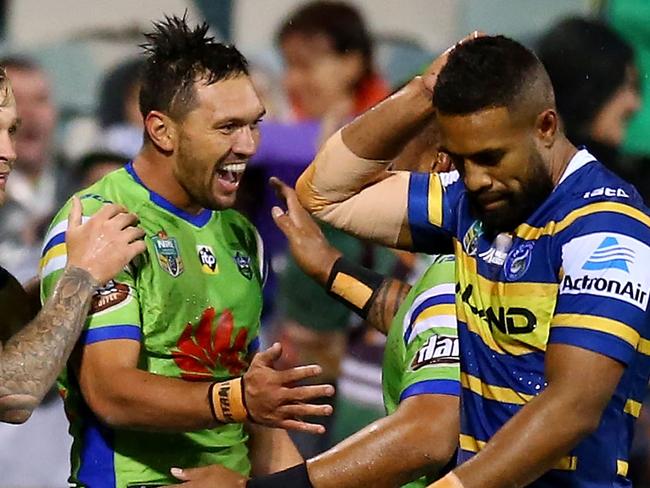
(596, 83)
(329, 77)
(40, 181)
(118, 114)
(96, 164)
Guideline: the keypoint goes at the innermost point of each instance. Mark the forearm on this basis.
(530, 444)
(391, 451)
(382, 132)
(147, 401)
(271, 450)
(32, 358)
(386, 302)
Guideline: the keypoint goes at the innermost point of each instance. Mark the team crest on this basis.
(169, 256)
(470, 241)
(244, 265)
(207, 259)
(518, 261)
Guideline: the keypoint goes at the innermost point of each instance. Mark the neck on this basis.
(561, 155)
(156, 172)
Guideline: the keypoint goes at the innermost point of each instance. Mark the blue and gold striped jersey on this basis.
(574, 273)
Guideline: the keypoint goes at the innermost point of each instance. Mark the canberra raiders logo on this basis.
(169, 256)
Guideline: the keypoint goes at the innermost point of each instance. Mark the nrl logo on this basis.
(169, 256)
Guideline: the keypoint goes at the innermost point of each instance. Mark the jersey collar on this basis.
(198, 220)
(579, 159)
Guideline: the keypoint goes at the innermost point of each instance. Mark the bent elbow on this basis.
(307, 193)
(17, 408)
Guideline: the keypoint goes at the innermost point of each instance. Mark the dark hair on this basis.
(177, 57)
(115, 89)
(338, 21)
(586, 61)
(486, 72)
(20, 62)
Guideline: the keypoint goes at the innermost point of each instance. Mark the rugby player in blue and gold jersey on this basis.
(551, 249)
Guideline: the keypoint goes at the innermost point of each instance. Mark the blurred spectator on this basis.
(118, 114)
(96, 164)
(40, 182)
(596, 84)
(329, 77)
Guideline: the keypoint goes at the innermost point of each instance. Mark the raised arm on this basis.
(32, 358)
(376, 298)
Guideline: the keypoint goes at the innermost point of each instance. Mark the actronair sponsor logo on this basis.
(607, 264)
(610, 254)
(625, 290)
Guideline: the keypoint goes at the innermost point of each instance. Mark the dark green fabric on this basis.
(301, 299)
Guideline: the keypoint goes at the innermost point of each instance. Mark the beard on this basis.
(518, 206)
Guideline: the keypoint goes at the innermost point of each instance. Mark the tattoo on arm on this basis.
(386, 302)
(32, 358)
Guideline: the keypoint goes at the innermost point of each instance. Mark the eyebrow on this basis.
(478, 154)
(239, 120)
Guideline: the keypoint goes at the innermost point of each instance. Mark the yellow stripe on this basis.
(435, 200)
(621, 467)
(633, 408)
(436, 310)
(602, 324)
(528, 232)
(643, 346)
(491, 392)
(469, 443)
(54, 252)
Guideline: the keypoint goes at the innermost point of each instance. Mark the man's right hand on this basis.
(273, 400)
(104, 244)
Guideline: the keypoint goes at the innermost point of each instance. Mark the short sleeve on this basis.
(604, 283)
(430, 337)
(115, 310)
(433, 201)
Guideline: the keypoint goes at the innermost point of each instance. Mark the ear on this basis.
(547, 126)
(161, 129)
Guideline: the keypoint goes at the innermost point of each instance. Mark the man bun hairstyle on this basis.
(489, 72)
(177, 57)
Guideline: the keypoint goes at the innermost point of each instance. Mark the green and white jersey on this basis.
(421, 356)
(193, 301)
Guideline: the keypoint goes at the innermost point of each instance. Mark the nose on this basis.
(476, 177)
(245, 141)
(7, 148)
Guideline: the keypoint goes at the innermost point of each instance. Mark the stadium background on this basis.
(77, 42)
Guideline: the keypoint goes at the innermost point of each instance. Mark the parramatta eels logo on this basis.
(169, 256)
(518, 261)
(470, 241)
(610, 254)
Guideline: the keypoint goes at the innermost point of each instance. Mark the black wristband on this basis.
(296, 477)
(353, 285)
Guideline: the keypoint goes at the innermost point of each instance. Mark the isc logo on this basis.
(606, 191)
(207, 259)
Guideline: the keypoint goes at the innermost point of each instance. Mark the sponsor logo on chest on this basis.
(207, 259)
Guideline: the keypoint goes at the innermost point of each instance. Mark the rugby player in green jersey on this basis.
(166, 370)
(34, 348)
(420, 373)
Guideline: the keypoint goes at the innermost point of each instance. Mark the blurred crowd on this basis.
(330, 73)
